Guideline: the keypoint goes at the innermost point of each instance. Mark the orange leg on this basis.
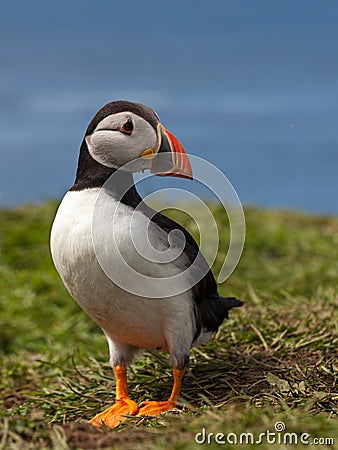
(153, 408)
(123, 405)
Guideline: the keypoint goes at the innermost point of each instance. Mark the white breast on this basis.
(141, 321)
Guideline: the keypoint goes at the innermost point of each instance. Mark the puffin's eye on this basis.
(127, 127)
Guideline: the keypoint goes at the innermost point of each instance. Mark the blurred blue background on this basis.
(251, 86)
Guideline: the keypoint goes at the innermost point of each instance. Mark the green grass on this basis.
(274, 360)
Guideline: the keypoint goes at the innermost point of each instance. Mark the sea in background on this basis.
(250, 86)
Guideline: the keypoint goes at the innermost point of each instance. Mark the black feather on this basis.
(210, 313)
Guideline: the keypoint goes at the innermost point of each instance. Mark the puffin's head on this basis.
(126, 133)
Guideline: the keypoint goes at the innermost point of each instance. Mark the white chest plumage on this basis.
(139, 321)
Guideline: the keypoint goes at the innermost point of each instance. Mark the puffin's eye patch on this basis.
(127, 127)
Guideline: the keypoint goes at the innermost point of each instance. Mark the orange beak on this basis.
(171, 158)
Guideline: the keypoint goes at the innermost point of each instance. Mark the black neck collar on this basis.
(91, 174)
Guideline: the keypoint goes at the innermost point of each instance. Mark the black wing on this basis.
(210, 308)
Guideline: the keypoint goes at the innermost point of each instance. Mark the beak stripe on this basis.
(176, 162)
(182, 167)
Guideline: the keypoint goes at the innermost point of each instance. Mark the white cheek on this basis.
(115, 149)
(98, 146)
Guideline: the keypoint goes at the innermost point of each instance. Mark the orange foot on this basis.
(113, 416)
(153, 408)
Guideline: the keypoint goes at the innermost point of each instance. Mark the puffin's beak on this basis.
(171, 158)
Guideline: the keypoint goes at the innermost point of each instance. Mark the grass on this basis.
(274, 360)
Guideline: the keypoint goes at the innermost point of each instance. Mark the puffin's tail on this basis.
(212, 312)
(224, 304)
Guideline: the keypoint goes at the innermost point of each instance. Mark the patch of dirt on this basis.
(246, 375)
(11, 399)
(86, 437)
(308, 357)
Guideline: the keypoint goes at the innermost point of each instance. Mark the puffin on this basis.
(138, 274)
